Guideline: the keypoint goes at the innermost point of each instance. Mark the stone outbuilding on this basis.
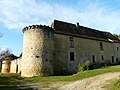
(6, 63)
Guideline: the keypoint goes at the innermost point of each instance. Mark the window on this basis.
(37, 56)
(112, 59)
(101, 46)
(117, 48)
(72, 56)
(93, 58)
(46, 59)
(117, 60)
(102, 57)
(71, 42)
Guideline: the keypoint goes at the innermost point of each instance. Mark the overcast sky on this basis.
(103, 15)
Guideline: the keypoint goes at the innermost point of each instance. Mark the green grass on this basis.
(8, 79)
(79, 75)
(8, 82)
(115, 85)
(50, 80)
(54, 81)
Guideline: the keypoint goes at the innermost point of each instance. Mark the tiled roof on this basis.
(81, 31)
(10, 57)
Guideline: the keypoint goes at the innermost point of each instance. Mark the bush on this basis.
(99, 65)
(90, 66)
(85, 66)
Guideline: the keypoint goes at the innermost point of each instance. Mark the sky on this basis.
(103, 15)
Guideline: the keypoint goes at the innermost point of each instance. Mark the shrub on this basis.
(90, 66)
(85, 66)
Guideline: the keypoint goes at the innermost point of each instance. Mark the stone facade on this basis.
(15, 66)
(19, 65)
(84, 50)
(59, 49)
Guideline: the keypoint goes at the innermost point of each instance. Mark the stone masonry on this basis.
(38, 50)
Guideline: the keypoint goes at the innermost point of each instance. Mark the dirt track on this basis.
(98, 82)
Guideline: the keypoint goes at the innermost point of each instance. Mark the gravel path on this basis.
(98, 82)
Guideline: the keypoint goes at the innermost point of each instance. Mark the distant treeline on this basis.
(117, 35)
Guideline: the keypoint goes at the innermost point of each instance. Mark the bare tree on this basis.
(4, 54)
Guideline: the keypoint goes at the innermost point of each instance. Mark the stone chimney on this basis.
(77, 25)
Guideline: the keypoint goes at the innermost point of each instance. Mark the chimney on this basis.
(78, 24)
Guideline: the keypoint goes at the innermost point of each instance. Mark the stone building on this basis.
(6, 63)
(60, 48)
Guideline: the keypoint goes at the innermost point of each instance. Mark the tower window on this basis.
(101, 46)
(102, 57)
(46, 59)
(93, 58)
(72, 56)
(71, 42)
(37, 56)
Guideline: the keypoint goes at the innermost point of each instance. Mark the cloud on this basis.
(16, 14)
(3, 49)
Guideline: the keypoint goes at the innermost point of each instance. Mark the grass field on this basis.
(115, 85)
(8, 80)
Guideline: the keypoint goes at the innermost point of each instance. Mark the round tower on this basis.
(6, 66)
(38, 51)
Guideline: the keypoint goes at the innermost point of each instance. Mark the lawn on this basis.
(50, 80)
(9, 80)
(115, 85)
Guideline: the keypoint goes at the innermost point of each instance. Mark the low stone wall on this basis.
(13, 66)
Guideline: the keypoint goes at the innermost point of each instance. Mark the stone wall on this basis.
(84, 50)
(38, 49)
(13, 66)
